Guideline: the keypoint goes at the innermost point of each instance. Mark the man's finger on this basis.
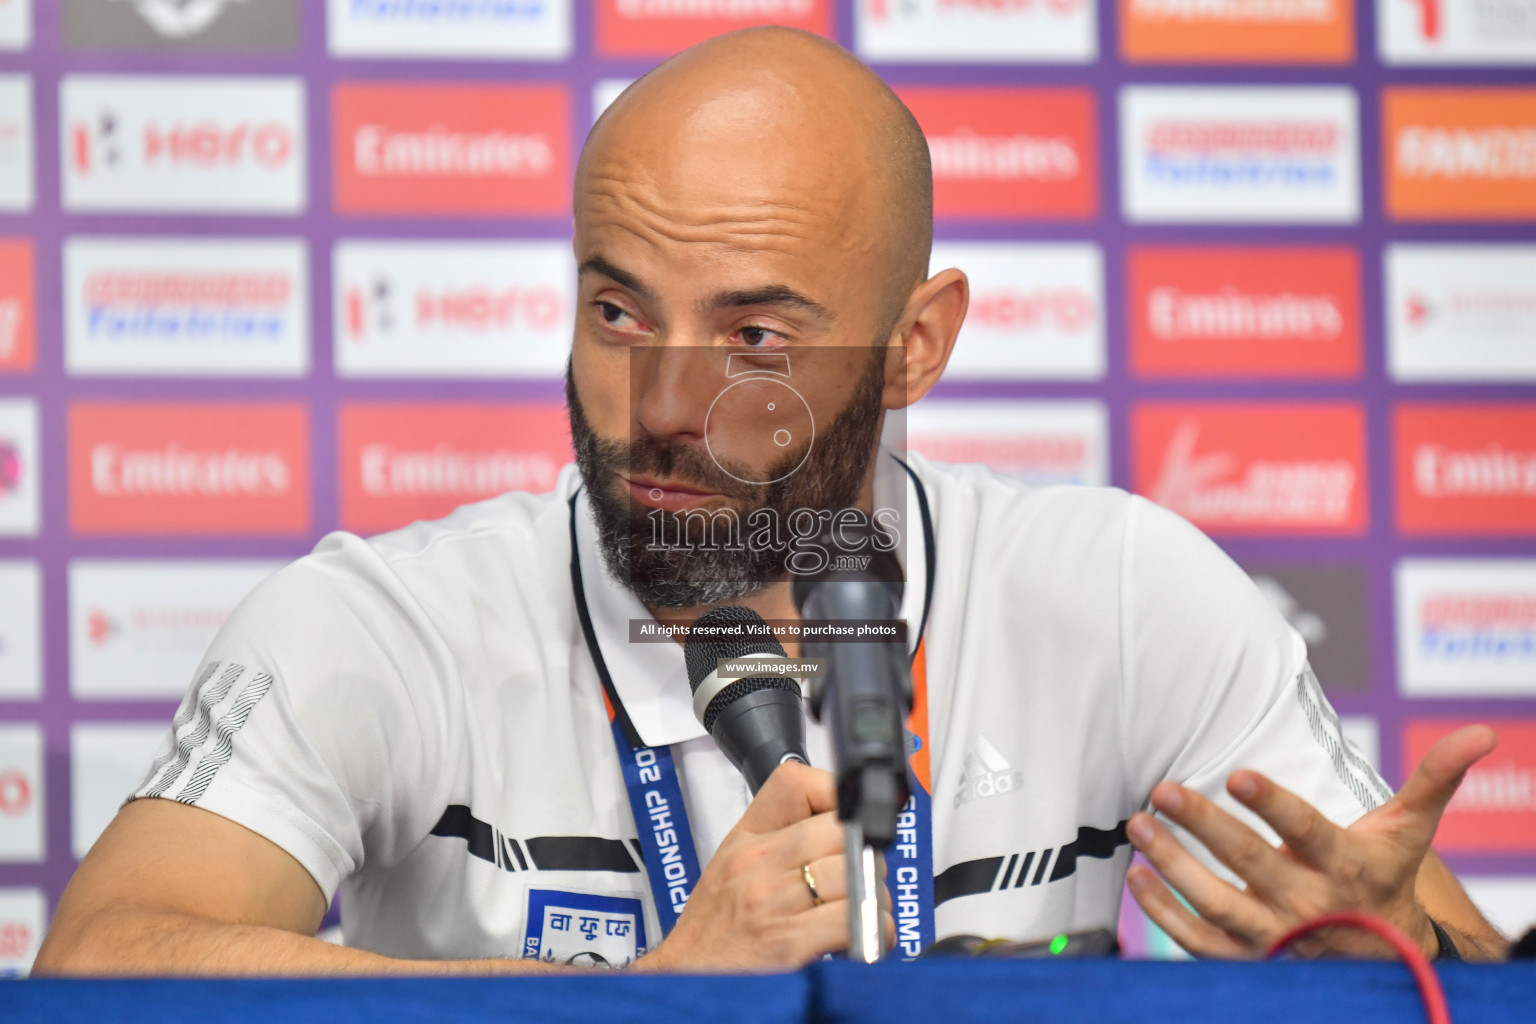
(1197, 936)
(1308, 834)
(1215, 899)
(792, 793)
(1423, 797)
(1266, 870)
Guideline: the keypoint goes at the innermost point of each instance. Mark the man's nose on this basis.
(673, 390)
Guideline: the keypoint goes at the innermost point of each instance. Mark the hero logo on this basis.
(472, 308)
(97, 144)
(10, 467)
(1291, 469)
(452, 308)
(986, 773)
(1466, 627)
(1240, 153)
(182, 143)
(15, 793)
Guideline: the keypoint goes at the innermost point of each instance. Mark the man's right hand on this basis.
(752, 909)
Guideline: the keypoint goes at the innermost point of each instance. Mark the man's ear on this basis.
(925, 335)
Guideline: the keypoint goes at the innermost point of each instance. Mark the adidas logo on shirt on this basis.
(987, 773)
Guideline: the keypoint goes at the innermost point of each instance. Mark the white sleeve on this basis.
(314, 720)
(1216, 680)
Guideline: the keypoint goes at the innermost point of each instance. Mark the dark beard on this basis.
(702, 574)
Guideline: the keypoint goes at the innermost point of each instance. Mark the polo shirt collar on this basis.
(651, 679)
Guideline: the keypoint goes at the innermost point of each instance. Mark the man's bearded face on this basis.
(707, 568)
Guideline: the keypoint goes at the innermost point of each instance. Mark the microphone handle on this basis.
(760, 731)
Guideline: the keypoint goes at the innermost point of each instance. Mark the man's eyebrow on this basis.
(771, 295)
(598, 265)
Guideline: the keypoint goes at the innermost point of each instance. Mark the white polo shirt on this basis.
(417, 719)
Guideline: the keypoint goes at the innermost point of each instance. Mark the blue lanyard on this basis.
(656, 798)
(666, 841)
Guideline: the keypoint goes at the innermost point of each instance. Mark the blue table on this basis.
(982, 992)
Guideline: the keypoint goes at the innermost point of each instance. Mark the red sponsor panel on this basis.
(226, 468)
(1466, 469)
(17, 349)
(406, 461)
(1010, 153)
(1255, 468)
(660, 28)
(451, 149)
(1494, 809)
(1244, 312)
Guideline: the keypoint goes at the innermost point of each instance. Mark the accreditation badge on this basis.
(583, 929)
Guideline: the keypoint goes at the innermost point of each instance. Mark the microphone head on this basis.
(703, 653)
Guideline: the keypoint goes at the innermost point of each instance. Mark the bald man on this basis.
(450, 728)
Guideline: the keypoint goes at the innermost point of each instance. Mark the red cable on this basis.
(1430, 992)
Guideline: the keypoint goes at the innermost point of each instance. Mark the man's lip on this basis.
(668, 496)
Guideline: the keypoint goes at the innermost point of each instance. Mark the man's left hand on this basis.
(1372, 866)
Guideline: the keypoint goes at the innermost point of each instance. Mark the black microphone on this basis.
(868, 686)
(757, 721)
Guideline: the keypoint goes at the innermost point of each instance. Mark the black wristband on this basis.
(1448, 950)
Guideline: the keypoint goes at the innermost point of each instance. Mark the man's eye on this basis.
(759, 337)
(610, 313)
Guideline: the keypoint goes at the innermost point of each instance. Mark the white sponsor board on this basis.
(21, 624)
(1461, 312)
(1255, 154)
(186, 307)
(1043, 442)
(453, 309)
(1466, 627)
(182, 143)
(605, 92)
(16, 144)
(932, 31)
(1456, 31)
(21, 794)
(138, 627)
(1036, 313)
(20, 485)
(106, 763)
(23, 920)
(1507, 901)
(15, 24)
(513, 29)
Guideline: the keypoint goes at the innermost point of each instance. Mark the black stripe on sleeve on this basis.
(965, 879)
(580, 853)
(1100, 843)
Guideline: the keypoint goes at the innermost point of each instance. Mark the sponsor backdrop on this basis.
(270, 268)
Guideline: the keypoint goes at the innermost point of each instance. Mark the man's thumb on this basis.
(1429, 789)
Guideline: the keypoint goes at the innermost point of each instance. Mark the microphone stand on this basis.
(864, 698)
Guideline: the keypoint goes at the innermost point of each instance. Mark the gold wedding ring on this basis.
(810, 883)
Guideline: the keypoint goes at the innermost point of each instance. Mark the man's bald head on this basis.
(782, 122)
